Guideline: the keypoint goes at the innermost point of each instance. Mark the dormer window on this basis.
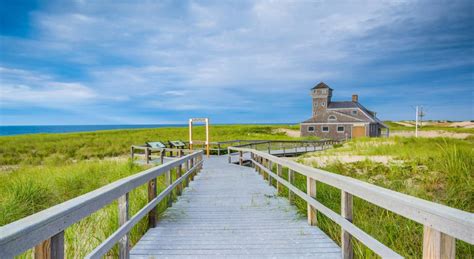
(332, 118)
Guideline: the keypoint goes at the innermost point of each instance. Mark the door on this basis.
(358, 131)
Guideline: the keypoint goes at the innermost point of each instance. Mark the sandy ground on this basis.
(431, 134)
(288, 132)
(322, 161)
(459, 124)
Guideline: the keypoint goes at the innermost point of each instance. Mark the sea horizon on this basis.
(12, 130)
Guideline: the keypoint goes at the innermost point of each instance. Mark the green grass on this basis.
(439, 170)
(397, 127)
(41, 170)
(36, 149)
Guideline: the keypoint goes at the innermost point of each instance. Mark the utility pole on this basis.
(416, 122)
(421, 114)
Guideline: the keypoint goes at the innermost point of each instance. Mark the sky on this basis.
(160, 62)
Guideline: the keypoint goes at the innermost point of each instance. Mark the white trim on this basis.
(332, 119)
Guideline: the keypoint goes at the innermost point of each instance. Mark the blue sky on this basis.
(118, 62)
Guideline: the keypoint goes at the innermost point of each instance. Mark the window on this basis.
(354, 112)
(340, 128)
(323, 104)
(325, 129)
(315, 104)
(311, 129)
(324, 91)
(332, 118)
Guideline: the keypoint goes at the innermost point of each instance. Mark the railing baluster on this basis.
(123, 216)
(437, 244)
(279, 169)
(52, 248)
(241, 159)
(311, 191)
(168, 183)
(151, 196)
(269, 166)
(291, 179)
(346, 212)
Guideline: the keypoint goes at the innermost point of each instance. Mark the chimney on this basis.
(355, 98)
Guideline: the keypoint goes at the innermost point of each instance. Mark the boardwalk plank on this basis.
(228, 210)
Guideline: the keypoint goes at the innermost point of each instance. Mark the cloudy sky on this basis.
(138, 62)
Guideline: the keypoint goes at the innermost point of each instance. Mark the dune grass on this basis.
(439, 170)
(41, 170)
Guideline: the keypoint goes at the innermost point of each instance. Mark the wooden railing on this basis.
(442, 224)
(289, 147)
(45, 230)
(147, 152)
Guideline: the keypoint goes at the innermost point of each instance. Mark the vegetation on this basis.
(439, 170)
(41, 170)
(394, 126)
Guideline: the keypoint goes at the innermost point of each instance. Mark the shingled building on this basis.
(340, 120)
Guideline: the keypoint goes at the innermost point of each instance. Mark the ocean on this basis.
(18, 130)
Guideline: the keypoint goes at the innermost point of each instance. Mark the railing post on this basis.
(179, 172)
(291, 179)
(269, 147)
(311, 191)
(147, 157)
(241, 159)
(123, 217)
(279, 171)
(151, 196)
(194, 171)
(269, 167)
(186, 169)
(168, 183)
(162, 156)
(52, 248)
(132, 152)
(437, 244)
(346, 212)
(229, 158)
(218, 149)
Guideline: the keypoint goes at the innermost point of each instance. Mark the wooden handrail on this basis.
(447, 222)
(26, 233)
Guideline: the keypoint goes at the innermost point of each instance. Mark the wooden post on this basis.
(437, 244)
(132, 152)
(168, 183)
(52, 248)
(269, 167)
(151, 196)
(123, 217)
(229, 158)
(162, 156)
(186, 168)
(218, 149)
(241, 159)
(192, 165)
(178, 175)
(269, 147)
(147, 157)
(279, 171)
(311, 191)
(346, 212)
(291, 179)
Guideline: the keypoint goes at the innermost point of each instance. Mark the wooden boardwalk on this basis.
(230, 211)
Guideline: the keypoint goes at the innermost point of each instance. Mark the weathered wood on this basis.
(162, 156)
(132, 152)
(147, 155)
(363, 237)
(453, 222)
(151, 196)
(437, 245)
(25, 233)
(241, 158)
(232, 213)
(179, 188)
(291, 180)
(123, 215)
(311, 211)
(346, 212)
(168, 182)
(279, 172)
(52, 248)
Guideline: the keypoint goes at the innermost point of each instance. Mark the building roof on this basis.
(321, 85)
(342, 105)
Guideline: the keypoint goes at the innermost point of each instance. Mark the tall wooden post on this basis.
(346, 212)
(147, 156)
(311, 191)
(123, 217)
(132, 153)
(168, 183)
(437, 244)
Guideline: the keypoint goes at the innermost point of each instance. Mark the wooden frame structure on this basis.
(45, 230)
(204, 120)
(442, 224)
